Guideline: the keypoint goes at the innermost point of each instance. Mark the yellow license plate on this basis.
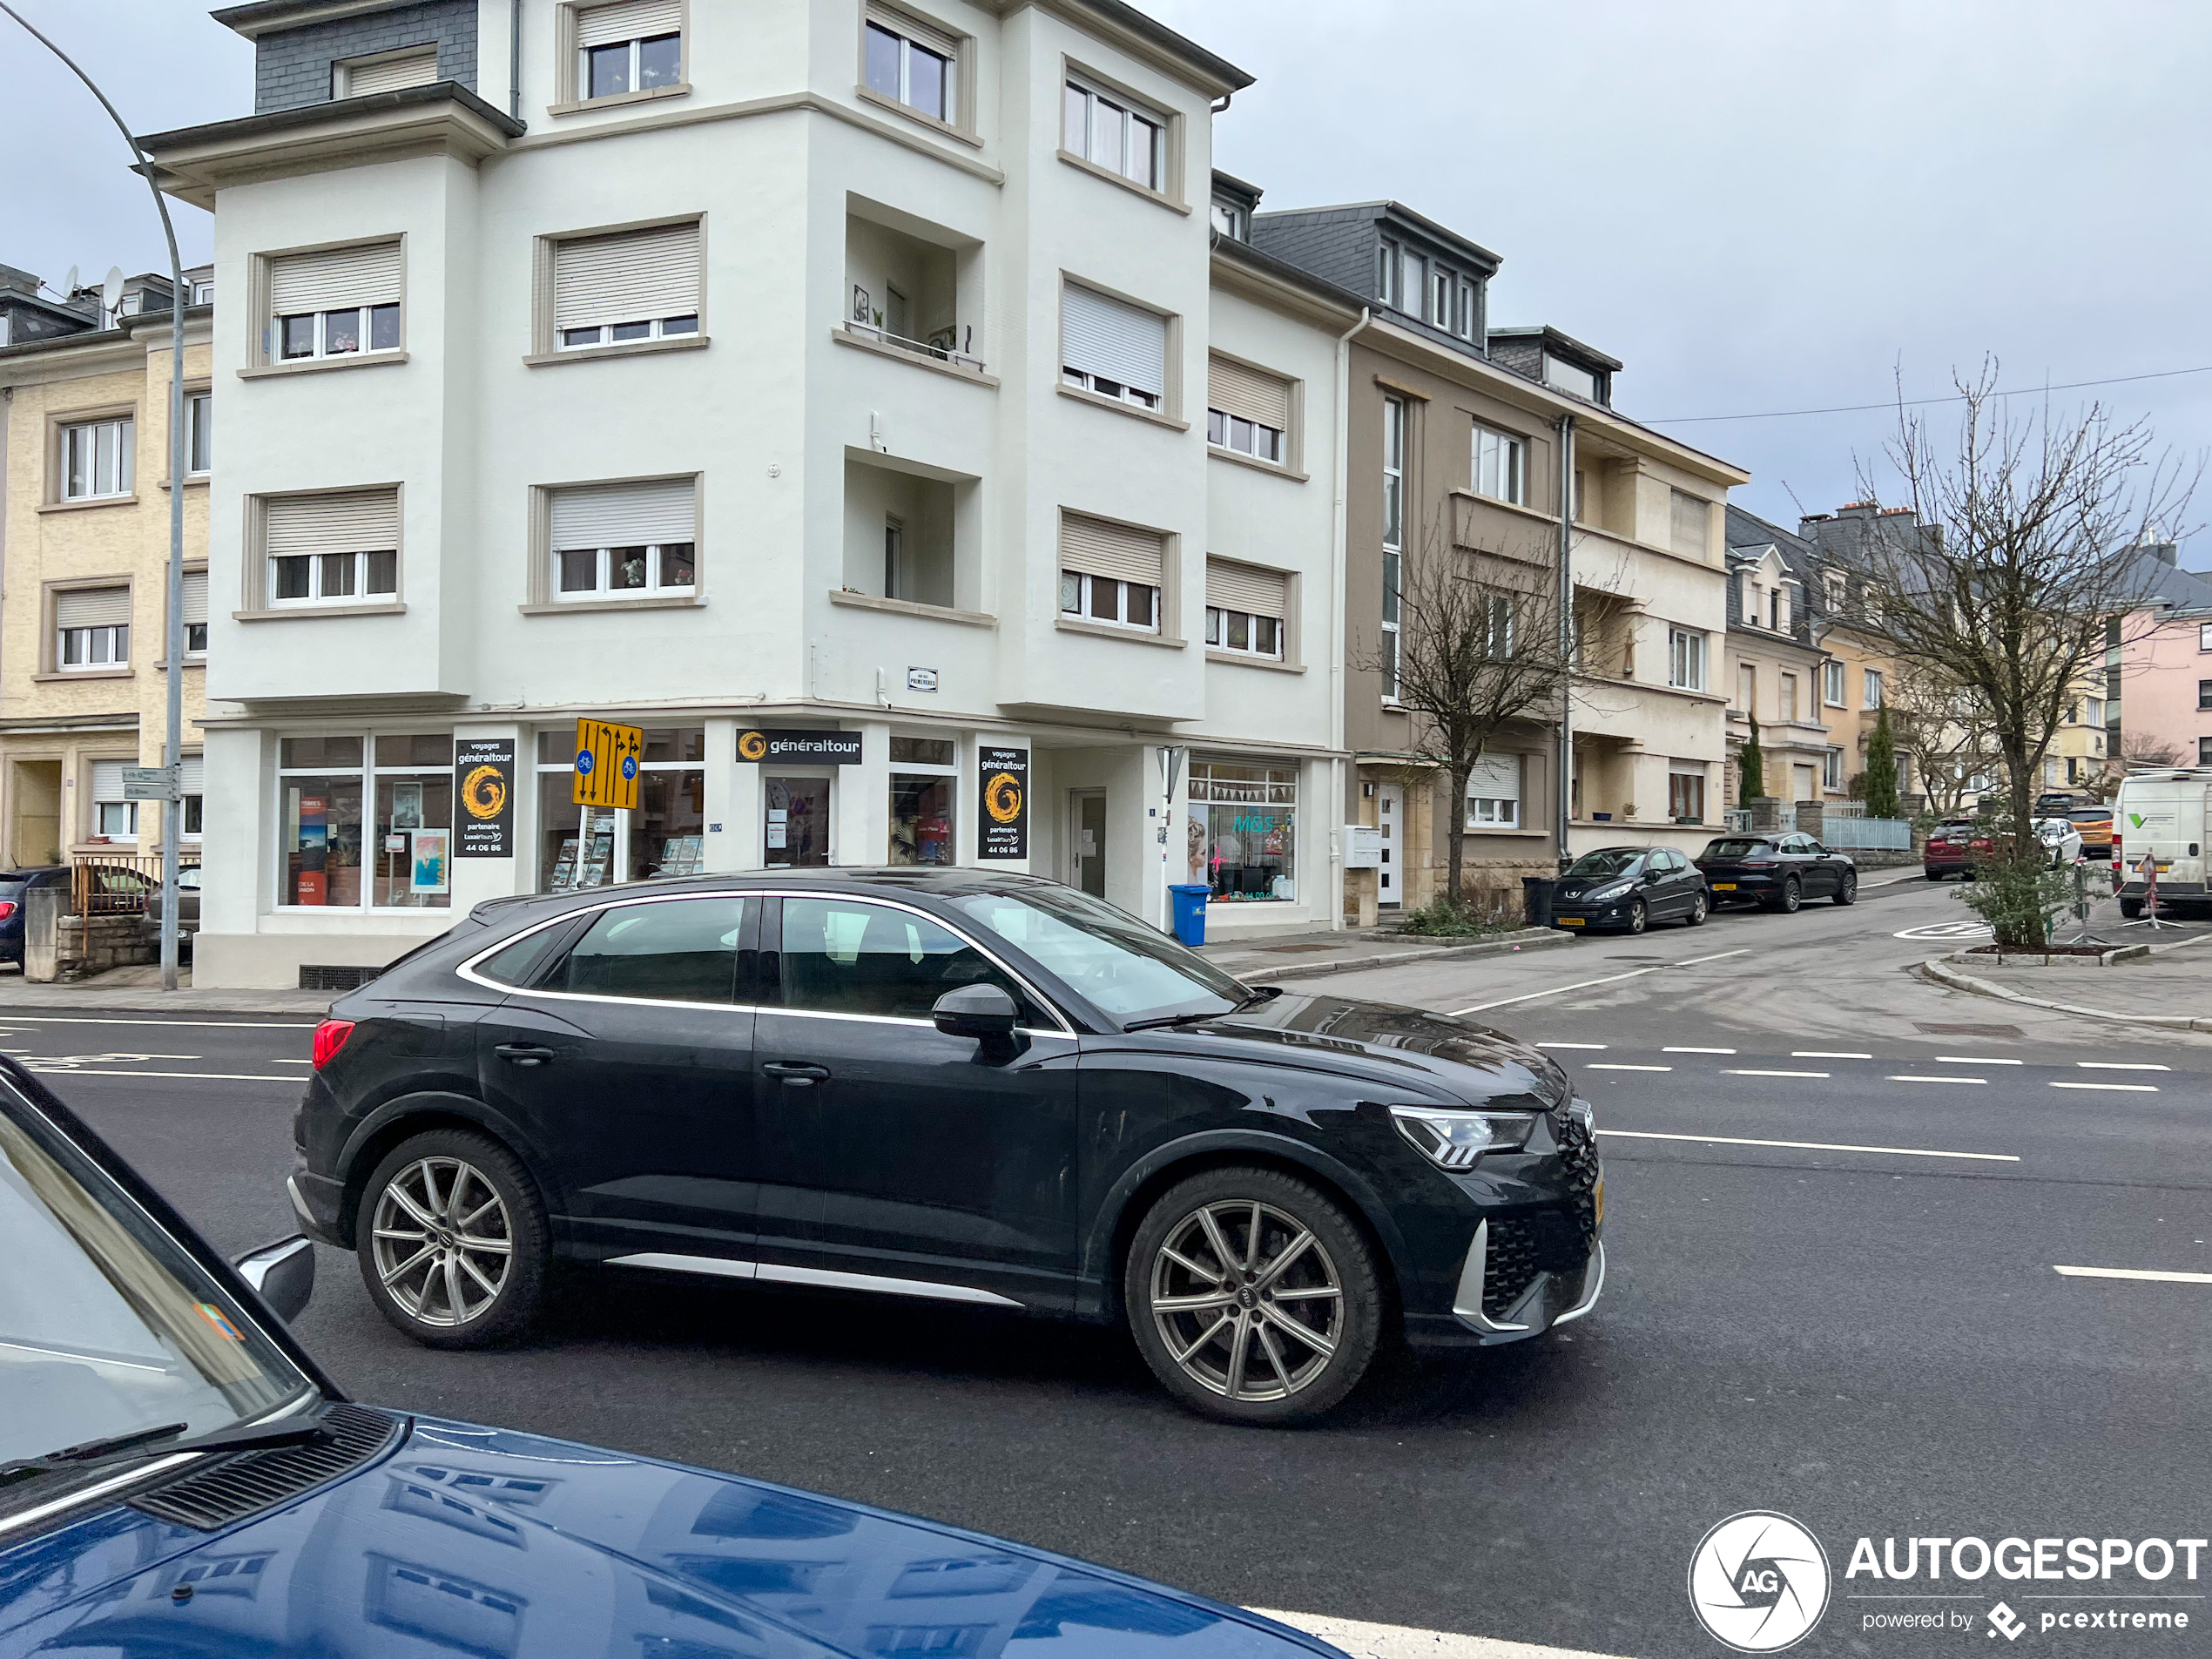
(1597, 1196)
(1723, 887)
(1568, 922)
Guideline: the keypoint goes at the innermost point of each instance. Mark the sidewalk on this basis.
(1292, 956)
(128, 990)
(2172, 986)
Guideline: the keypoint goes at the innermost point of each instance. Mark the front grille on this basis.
(331, 976)
(255, 1480)
(1578, 1157)
(1510, 1267)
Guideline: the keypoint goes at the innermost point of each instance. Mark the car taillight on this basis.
(7, 909)
(330, 1037)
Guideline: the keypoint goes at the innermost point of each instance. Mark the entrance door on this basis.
(1087, 841)
(1390, 812)
(797, 831)
(35, 836)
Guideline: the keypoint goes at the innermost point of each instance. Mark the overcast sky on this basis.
(1755, 206)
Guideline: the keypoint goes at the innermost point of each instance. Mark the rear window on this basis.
(2090, 814)
(1737, 849)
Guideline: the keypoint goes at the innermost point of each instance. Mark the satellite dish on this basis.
(112, 292)
(68, 284)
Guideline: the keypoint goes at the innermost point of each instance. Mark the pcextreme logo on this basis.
(1758, 1582)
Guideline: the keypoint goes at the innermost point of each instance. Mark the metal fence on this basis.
(1867, 834)
(115, 885)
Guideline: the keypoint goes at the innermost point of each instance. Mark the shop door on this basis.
(1390, 812)
(797, 833)
(1087, 841)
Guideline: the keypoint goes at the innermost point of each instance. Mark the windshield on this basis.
(1607, 860)
(107, 1326)
(1109, 958)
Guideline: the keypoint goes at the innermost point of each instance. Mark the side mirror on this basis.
(283, 1274)
(979, 1011)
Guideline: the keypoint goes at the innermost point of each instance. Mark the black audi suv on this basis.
(978, 1089)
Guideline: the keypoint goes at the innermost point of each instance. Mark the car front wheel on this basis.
(452, 1240)
(1253, 1297)
(1639, 915)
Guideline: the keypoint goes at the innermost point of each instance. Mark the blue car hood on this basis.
(480, 1541)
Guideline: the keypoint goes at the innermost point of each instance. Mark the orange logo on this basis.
(752, 745)
(1002, 797)
(484, 792)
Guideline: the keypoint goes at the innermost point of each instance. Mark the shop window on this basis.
(348, 805)
(597, 847)
(922, 785)
(1247, 817)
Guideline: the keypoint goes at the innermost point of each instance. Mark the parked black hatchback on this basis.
(1628, 888)
(975, 1089)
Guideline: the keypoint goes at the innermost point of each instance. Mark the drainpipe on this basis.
(1342, 444)
(1566, 791)
(515, 58)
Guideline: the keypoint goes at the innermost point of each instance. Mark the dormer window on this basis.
(1229, 220)
(1564, 376)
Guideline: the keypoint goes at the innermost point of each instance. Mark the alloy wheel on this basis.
(1698, 907)
(1637, 916)
(1792, 894)
(444, 1243)
(1247, 1300)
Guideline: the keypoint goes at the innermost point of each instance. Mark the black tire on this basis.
(1700, 908)
(1639, 916)
(1277, 1378)
(1793, 895)
(420, 1301)
(1935, 875)
(1847, 888)
(2131, 908)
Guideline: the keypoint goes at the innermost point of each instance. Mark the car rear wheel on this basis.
(2131, 908)
(1935, 875)
(452, 1240)
(1793, 894)
(1847, 888)
(1252, 1297)
(1699, 906)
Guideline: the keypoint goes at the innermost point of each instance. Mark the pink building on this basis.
(2166, 662)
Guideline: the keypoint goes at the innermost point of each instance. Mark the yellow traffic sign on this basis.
(606, 764)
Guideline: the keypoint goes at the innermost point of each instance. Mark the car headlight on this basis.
(1606, 895)
(1453, 1139)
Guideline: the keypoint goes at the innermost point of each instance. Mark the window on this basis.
(596, 846)
(195, 613)
(2204, 635)
(2093, 712)
(1246, 607)
(1229, 220)
(849, 956)
(1494, 793)
(1686, 791)
(630, 540)
(1497, 634)
(676, 950)
(336, 549)
(2204, 752)
(1747, 688)
(1386, 273)
(1247, 817)
(203, 292)
(1831, 685)
(1498, 465)
(113, 817)
(91, 629)
(1685, 659)
(386, 72)
(338, 302)
(403, 839)
(632, 46)
(1394, 536)
(1689, 518)
(1117, 135)
(1831, 769)
(1786, 702)
(1413, 284)
(1110, 573)
(1113, 349)
(199, 416)
(1466, 318)
(922, 782)
(1247, 410)
(97, 459)
(1872, 687)
(634, 286)
(1774, 616)
(2204, 694)
(913, 64)
(1564, 376)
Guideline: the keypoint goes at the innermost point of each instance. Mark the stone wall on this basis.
(85, 945)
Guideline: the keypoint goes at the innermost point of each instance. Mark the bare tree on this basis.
(1479, 647)
(1942, 725)
(2002, 573)
(2140, 751)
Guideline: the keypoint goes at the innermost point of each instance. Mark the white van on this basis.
(2162, 815)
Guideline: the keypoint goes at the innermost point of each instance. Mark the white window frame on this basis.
(1498, 608)
(2204, 635)
(887, 23)
(1389, 276)
(1685, 659)
(606, 334)
(1218, 620)
(1394, 538)
(1464, 307)
(1831, 769)
(203, 292)
(1223, 431)
(636, 44)
(1502, 813)
(123, 475)
(1504, 456)
(112, 638)
(1134, 114)
(364, 325)
(1871, 689)
(316, 571)
(368, 771)
(1083, 590)
(1083, 381)
(1831, 685)
(601, 592)
(1228, 218)
(199, 433)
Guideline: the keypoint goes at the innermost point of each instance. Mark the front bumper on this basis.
(1552, 1299)
(1577, 917)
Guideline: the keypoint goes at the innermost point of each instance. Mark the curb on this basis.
(1525, 937)
(1940, 971)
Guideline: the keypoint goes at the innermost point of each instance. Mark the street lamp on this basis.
(172, 755)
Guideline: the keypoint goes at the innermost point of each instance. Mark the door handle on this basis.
(796, 1074)
(523, 1054)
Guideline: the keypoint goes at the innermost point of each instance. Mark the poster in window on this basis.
(430, 865)
(407, 807)
(484, 782)
(1003, 825)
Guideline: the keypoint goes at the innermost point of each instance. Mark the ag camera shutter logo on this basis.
(1758, 1582)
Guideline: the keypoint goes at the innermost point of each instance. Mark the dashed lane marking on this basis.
(1364, 1641)
(1674, 1050)
(1809, 1146)
(1605, 1067)
(2135, 1273)
(1570, 1045)
(2118, 1065)
(1746, 1071)
(1974, 1060)
(1827, 1054)
(1906, 1077)
(2126, 1089)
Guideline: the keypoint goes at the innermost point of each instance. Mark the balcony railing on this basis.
(940, 347)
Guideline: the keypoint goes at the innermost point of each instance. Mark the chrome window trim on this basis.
(466, 970)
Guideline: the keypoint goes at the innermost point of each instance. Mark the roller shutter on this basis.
(1246, 587)
(335, 280)
(107, 780)
(355, 521)
(390, 74)
(630, 278)
(627, 20)
(195, 595)
(661, 510)
(92, 608)
(1098, 548)
(1113, 340)
(1253, 393)
(191, 772)
(1494, 778)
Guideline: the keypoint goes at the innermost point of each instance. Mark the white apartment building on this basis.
(846, 393)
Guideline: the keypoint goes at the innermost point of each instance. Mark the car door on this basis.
(1661, 894)
(889, 1149)
(627, 1059)
(1831, 865)
(1797, 861)
(1685, 881)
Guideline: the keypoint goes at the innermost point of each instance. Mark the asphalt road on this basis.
(1836, 1199)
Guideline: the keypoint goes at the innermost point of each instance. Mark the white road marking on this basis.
(1826, 1054)
(1570, 1045)
(2135, 1273)
(1583, 985)
(2127, 1088)
(1906, 1077)
(1810, 1146)
(1600, 1066)
(2118, 1065)
(281, 1060)
(210, 1076)
(1972, 1060)
(1745, 1071)
(1364, 1641)
(1672, 1050)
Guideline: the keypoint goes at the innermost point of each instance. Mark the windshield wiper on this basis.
(122, 1448)
(1261, 994)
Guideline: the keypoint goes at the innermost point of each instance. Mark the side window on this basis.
(523, 962)
(849, 956)
(678, 950)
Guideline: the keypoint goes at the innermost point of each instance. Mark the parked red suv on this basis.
(1952, 848)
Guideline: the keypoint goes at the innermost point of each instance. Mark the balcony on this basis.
(912, 289)
(905, 534)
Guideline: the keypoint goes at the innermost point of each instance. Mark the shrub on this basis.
(1482, 913)
(2017, 893)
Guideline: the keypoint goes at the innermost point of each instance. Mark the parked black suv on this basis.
(945, 1084)
(1779, 871)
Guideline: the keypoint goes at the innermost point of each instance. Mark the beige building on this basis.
(84, 563)
(1777, 674)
